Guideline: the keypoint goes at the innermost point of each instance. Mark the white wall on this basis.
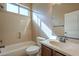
(10, 26)
(44, 14)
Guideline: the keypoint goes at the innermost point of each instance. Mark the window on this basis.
(12, 8)
(36, 18)
(17, 9)
(23, 11)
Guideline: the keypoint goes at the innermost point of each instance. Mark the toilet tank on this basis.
(38, 39)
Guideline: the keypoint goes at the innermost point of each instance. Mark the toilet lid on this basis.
(32, 49)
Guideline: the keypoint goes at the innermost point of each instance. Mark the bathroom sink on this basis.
(58, 44)
(55, 43)
(67, 45)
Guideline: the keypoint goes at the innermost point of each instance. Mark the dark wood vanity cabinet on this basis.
(55, 53)
(46, 51)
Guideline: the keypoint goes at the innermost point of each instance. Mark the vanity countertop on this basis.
(68, 48)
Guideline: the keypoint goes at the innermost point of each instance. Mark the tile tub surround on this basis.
(72, 50)
(15, 48)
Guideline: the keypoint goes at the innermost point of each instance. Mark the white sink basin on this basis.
(62, 45)
(55, 43)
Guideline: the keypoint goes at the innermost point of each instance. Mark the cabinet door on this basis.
(45, 51)
(55, 53)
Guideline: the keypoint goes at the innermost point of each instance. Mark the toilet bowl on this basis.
(34, 49)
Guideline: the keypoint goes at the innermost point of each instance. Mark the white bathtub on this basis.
(16, 49)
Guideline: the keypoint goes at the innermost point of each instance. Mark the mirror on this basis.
(66, 20)
(71, 24)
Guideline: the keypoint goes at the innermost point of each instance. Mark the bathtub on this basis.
(16, 49)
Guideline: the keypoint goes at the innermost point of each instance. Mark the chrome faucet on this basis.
(1, 41)
(63, 38)
(1, 46)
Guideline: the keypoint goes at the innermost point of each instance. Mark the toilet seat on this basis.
(32, 50)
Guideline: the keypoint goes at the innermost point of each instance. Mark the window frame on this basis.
(18, 9)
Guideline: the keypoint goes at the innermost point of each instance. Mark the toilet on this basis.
(34, 50)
